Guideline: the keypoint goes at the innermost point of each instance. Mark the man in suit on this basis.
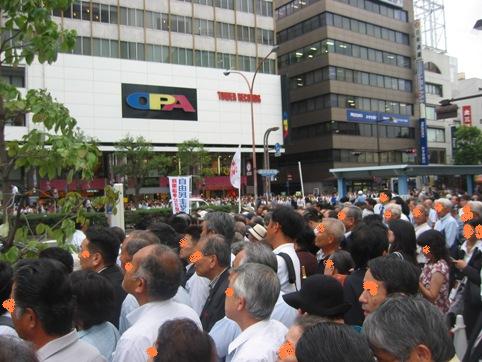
(98, 252)
(213, 263)
(474, 348)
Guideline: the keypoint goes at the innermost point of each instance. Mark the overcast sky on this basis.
(463, 42)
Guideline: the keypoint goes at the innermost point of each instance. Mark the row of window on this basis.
(345, 101)
(105, 13)
(387, 157)
(435, 89)
(375, 7)
(164, 54)
(343, 22)
(350, 128)
(263, 7)
(154, 20)
(13, 75)
(292, 7)
(335, 46)
(351, 76)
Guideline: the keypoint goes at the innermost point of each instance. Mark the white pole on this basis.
(239, 198)
(118, 218)
(301, 180)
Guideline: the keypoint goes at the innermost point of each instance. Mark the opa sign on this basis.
(155, 102)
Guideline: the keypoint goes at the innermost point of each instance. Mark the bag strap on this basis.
(5, 321)
(291, 268)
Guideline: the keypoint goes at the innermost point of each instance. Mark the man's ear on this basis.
(96, 259)
(421, 353)
(240, 304)
(141, 285)
(30, 317)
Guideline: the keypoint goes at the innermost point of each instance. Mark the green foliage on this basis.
(138, 160)
(194, 158)
(469, 146)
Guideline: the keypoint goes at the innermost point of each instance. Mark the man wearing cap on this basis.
(320, 295)
(256, 233)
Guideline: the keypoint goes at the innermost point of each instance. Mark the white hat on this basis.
(258, 231)
(201, 214)
(360, 192)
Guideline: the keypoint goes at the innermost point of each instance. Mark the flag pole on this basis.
(240, 184)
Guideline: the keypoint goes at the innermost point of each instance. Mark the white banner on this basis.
(235, 171)
(179, 186)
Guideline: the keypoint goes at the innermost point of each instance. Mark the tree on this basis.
(194, 159)
(469, 146)
(54, 146)
(138, 161)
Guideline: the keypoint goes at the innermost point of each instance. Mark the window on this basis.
(435, 89)
(437, 156)
(14, 76)
(431, 67)
(436, 135)
(225, 31)
(203, 27)
(430, 112)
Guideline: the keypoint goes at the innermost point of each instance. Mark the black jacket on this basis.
(213, 309)
(114, 275)
(352, 289)
(474, 352)
(472, 301)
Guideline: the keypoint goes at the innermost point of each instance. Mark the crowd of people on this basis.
(352, 279)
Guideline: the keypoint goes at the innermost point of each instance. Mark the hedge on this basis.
(131, 217)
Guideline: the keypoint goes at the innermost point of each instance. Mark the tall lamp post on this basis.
(250, 86)
(267, 179)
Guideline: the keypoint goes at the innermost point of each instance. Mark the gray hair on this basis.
(476, 206)
(16, 349)
(401, 323)
(162, 270)
(260, 287)
(136, 244)
(220, 223)
(335, 227)
(240, 227)
(395, 209)
(446, 203)
(261, 254)
(355, 212)
(238, 246)
(216, 245)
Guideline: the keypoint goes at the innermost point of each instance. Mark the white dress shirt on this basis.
(432, 217)
(198, 289)
(145, 322)
(130, 303)
(286, 286)
(419, 229)
(69, 348)
(467, 256)
(259, 342)
(226, 330)
(448, 226)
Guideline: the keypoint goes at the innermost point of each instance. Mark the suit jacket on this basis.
(213, 309)
(114, 275)
(474, 352)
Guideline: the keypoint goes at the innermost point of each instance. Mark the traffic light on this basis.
(446, 110)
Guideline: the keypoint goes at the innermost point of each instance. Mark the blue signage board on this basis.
(356, 115)
(277, 150)
(423, 142)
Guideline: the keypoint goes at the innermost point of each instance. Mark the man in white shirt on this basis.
(420, 217)
(153, 279)
(283, 229)
(250, 299)
(226, 330)
(446, 224)
(432, 214)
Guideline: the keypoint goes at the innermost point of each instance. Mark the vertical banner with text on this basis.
(179, 186)
(423, 142)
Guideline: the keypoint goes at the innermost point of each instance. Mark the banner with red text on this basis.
(180, 186)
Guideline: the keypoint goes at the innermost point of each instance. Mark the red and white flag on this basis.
(235, 171)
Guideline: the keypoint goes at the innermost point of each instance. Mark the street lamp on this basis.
(250, 87)
(267, 181)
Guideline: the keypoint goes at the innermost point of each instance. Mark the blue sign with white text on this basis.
(356, 115)
(423, 142)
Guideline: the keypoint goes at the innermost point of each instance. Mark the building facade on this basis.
(155, 69)
(470, 110)
(349, 71)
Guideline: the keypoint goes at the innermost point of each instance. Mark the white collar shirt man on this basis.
(145, 322)
(468, 255)
(419, 229)
(226, 330)
(448, 226)
(69, 348)
(258, 342)
(286, 286)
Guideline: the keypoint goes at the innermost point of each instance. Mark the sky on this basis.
(463, 42)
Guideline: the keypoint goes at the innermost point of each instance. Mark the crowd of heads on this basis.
(355, 280)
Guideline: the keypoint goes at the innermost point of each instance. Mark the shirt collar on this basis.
(421, 226)
(137, 313)
(247, 334)
(477, 245)
(283, 246)
(213, 282)
(57, 344)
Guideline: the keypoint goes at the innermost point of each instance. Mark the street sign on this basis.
(268, 173)
(277, 150)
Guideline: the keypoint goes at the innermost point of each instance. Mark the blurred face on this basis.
(324, 239)
(293, 336)
(189, 248)
(205, 264)
(372, 296)
(441, 210)
(233, 304)
(124, 256)
(419, 215)
(349, 222)
(86, 258)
